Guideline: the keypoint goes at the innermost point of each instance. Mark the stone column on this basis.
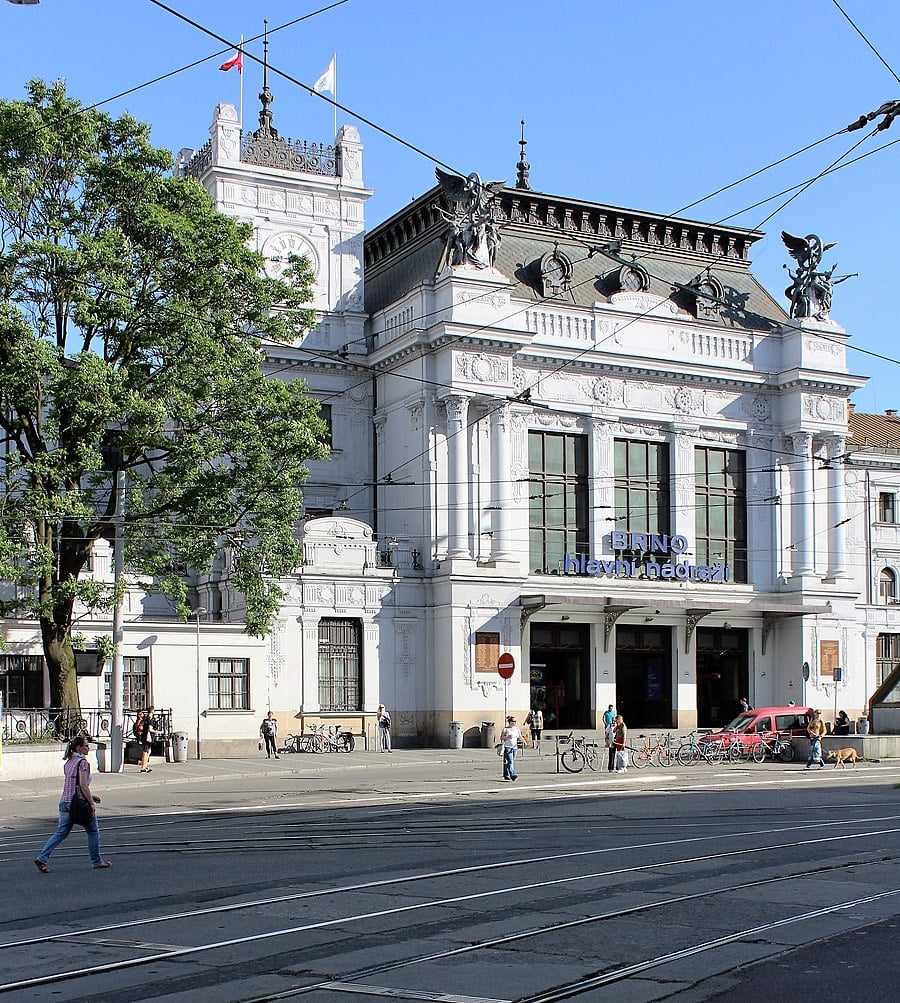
(501, 483)
(457, 477)
(801, 504)
(837, 509)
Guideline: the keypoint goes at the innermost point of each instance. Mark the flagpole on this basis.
(334, 95)
(241, 75)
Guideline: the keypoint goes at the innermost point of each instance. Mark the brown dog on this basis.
(841, 756)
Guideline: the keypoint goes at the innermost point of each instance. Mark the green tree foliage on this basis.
(132, 323)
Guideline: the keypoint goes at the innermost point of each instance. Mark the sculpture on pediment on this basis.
(810, 291)
(473, 236)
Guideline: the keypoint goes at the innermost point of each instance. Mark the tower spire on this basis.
(265, 95)
(522, 167)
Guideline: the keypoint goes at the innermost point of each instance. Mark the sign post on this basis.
(506, 666)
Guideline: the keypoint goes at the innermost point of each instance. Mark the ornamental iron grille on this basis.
(267, 150)
(340, 665)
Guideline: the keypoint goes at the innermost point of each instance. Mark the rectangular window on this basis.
(721, 509)
(22, 680)
(340, 665)
(135, 672)
(558, 499)
(642, 487)
(229, 684)
(887, 656)
(886, 507)
(487, 651)
(325, 415)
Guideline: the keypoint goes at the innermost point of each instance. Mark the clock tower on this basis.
(308, 199)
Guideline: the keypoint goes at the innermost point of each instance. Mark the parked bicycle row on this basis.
(665, 750)
(321, 739)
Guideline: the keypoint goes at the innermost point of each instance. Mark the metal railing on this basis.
(32, 725)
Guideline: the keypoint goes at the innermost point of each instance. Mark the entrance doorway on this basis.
(723, 674)
(644, 676)
(561, 674)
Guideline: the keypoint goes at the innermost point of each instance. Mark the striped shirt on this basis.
(73, 766)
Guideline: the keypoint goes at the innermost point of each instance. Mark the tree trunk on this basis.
(61, 664)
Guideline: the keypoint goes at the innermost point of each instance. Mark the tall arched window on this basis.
(887, 586)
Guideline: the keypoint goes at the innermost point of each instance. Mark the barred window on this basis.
(135, 685)
(340, 665)
(229, 684)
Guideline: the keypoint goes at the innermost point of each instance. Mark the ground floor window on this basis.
(135, 684)
(229, 683)
(887, 656)
(644, 676)
(340, 665)
(22, 680)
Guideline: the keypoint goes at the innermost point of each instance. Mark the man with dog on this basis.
(815, 730)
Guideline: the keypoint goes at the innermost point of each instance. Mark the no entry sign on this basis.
(506, 666)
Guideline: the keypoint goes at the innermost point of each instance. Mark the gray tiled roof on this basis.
(406, 250)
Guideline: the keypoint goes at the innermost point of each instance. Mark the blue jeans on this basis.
(63, 830)
(509, 763)
(815, 752)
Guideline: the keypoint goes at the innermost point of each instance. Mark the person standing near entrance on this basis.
(620, 738)
(609, 735)
(814, 732)
(147, 740)
(383, 720)
(510, 739)
(268, 732)
(535, 722)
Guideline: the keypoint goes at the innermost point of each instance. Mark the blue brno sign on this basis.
(646, 544)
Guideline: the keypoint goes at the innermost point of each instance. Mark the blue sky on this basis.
(649, 105)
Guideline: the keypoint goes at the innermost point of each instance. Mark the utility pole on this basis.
(116, 695)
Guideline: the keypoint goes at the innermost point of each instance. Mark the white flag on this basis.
(326, 81)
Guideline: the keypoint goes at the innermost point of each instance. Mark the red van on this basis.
(751, 724)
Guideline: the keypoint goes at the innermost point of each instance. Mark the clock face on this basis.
(280, 246)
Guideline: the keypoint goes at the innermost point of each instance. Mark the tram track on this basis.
(432, 902)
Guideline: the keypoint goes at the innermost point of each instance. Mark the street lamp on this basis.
(198, 612)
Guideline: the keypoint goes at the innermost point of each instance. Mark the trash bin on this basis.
(456, 735)
(132, 753)
(488, 734)
(863, 726)
(180, 747)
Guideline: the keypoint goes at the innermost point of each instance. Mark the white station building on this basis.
(579, 434)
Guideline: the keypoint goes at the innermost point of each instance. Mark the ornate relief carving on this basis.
(495, 300)
(416, 411)
(602, 391)
(481, 367)
(824, 408)
(683, 400)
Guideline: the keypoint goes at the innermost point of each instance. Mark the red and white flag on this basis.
(236, 60)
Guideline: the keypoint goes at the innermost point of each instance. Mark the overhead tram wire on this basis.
(859, 32)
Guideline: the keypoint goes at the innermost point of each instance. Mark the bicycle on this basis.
(776, 744)
(581, 753)
(338, 741)
(660, 753)
(691, 751)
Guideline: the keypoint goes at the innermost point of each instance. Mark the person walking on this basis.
(608, 736)
(510, 739)
(814, 732)
(384, 729)
(147, 740)
(268, 732)
(535, 724)
(77, 772)
(620, 739)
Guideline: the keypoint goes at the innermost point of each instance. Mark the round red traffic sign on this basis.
(506, 666)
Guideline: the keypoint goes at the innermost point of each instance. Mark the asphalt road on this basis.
(420, 876)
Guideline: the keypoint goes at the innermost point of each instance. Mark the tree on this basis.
(132, 323)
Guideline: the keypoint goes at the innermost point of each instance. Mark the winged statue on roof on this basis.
(810, 291)
(472, 236)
